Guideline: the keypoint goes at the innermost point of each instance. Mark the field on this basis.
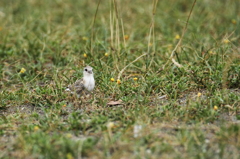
(167, 79)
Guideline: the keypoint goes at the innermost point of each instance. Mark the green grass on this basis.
(182, 112)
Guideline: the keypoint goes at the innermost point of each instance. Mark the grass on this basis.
(167, 111)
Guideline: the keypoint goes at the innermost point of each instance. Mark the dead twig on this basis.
(120, 73)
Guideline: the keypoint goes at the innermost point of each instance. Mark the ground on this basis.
(159, 93)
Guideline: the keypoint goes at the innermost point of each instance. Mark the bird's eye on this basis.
(85, 69)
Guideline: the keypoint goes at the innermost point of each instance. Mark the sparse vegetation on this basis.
(163, 111)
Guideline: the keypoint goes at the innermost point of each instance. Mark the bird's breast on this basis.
(89, 83)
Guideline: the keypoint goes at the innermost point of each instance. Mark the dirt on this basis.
(159, 100)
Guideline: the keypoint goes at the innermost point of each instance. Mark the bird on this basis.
(85, 84)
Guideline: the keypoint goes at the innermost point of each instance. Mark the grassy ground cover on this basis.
(170, 102)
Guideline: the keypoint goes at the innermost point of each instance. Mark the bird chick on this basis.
(86, 84)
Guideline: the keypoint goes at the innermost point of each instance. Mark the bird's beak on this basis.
(90, 72)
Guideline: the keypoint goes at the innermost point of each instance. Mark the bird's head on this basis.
(88, 70)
